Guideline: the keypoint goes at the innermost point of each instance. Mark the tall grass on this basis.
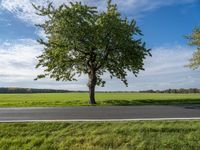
(184, 135)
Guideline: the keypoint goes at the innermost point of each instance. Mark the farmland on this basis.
(103, 99)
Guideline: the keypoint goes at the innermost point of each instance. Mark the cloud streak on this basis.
(23, 9)
(18, 59)
(164, 70)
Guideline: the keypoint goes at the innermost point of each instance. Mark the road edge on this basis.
(103, 120)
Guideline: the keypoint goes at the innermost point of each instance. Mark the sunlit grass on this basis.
(99, 136)
(81, 99)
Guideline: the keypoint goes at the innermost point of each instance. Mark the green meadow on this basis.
(103, 99)
(165, 135)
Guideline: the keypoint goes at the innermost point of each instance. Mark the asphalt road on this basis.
(100, 113)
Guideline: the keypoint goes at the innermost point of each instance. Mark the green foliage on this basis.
(141, 135)
(81, 40)
(195, 40)
(195, 37)
(195, 60)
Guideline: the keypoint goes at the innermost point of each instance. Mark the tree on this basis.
(194, 39)
(81, 40)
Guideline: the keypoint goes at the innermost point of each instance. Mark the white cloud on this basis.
(136, 7)
(164, 70)
(24, 10)
(18, 59)
(17, 67)
(168, 60)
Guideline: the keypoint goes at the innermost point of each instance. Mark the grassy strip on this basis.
(81, 99)
(99, 136)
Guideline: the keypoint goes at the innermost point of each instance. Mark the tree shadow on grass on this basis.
(150, 102)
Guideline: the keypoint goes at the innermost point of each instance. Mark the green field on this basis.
(81, 99)
(184, 135)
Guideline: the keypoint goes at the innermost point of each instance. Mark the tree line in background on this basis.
(82, 40)
(30, 90)
(191, 90)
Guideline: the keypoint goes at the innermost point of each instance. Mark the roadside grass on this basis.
(140, 135)
(103, 99)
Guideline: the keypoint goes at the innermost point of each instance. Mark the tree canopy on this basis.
(81, 40)
(195, 40)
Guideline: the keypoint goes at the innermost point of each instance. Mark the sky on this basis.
(163, 23)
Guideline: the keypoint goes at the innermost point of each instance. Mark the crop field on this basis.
(184, 135)
(81, 99)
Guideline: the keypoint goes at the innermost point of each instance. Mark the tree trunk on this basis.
(92, 95)
(91, 86)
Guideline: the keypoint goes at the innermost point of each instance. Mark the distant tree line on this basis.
(30, 90)
(191, 90)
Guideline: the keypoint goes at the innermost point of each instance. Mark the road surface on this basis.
(101, 113)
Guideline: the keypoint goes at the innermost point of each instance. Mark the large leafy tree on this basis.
(81, 40)
(194, 39)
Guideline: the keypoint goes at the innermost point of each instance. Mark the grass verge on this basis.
(139, 135)
(104, 99)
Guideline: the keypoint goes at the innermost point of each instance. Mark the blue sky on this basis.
(168, 25)
(163, 23)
